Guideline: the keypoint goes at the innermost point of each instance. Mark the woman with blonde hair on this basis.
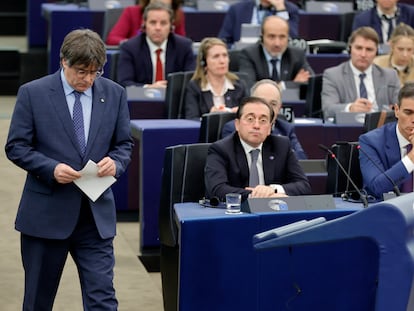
(213, 88)
(401, 53)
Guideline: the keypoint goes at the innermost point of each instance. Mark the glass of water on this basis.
(233, 201)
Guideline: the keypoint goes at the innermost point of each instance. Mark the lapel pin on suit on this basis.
(102, 100)
(271, 157)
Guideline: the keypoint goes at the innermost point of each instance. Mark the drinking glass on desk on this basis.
(233, 201)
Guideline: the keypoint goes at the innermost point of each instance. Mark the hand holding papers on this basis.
(92, 185)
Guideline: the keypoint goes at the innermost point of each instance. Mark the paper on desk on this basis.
(92, 185)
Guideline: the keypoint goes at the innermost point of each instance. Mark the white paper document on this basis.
(91, 184)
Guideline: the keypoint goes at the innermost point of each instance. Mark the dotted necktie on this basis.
(362, 89)
(254, 174)
(159, 74)
(78, 122)
(407, 186)
(275, 74)
(390, 26)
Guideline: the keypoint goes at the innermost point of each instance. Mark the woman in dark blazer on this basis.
(213, 88)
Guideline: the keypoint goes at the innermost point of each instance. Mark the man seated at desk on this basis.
(254, 12)
(389, 149)
(148, 58)
(271, 57)
(359, 85)
(269, 91)
(251, 161)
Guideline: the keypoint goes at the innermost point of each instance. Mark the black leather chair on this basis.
(174, 96)
(313, 105)
(338, 183)
(182, 181)
(212, 125)
(377, 119)
(346, 26)
(111, 17)
(114, 66)
(234, 56)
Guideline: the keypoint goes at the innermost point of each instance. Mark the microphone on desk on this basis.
(382, 171)
(333, 156)
(212, 202)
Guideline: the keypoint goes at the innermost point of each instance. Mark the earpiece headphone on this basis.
(203, 62)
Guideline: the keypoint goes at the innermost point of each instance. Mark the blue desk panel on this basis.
(151, 138)
(219, 271)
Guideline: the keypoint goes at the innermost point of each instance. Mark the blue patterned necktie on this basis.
(254, 173)
(407, 186)
(78, 122)
(362, 89)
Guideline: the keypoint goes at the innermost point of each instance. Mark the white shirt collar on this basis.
(402, 141)
(68, 89)
(227, 86)
(247, 148)
(356, 72)
(153, 47)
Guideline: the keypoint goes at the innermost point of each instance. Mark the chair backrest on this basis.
(182, 181)
(337, 183)
(377, 119)
(346, 26)
(174, 96)
(111, 16)
(313, 105)
(114, 66)
(234, 56)
(212, 125)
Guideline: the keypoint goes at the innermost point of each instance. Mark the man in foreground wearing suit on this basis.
(254, 12)
(229, 167)
(272, 58)
(358, 85)
(269, 91)
(60, 122)
(148, 58)
(390, 147)
(384, 17)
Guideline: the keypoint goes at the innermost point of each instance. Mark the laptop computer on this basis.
(103, 5)
(349, 118)
(329, 7)
(292, 203)
(148, 94)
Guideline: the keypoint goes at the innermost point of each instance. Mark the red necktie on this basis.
(159, 74)
(407, 186)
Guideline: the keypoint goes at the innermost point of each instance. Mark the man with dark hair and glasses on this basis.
(251, 161)
(59, 124)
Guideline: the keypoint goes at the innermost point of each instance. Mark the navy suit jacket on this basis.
(227, 170)
(241, 13)
(42, 136)
(382, 147)
(253, 63)
(197, 102)
(370, 18)
(281, 127)
(135, 65)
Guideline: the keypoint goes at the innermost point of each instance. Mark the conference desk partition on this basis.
(220, 270)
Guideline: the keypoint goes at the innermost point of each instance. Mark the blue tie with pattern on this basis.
(362, 89)
(78, 122)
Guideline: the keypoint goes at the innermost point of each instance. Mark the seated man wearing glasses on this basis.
(251, 161)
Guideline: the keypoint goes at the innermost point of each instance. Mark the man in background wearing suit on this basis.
(384, 17)
(254, 12)
(269, 91)
(390, 147)
(276, 171)
(60, 122)
(358, 85)
(148, 58)
(272, 58)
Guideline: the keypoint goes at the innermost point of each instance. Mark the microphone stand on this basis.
(333, 156)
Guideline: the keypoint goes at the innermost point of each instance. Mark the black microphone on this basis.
(394, 186)
(361, 195)
(213, 202)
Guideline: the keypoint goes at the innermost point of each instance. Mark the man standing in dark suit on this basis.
(60, 122)
(272, 58)
(384, 17)
(276, 171)
(254, 12)
(148, 58)
(269, 91)
(390, 147)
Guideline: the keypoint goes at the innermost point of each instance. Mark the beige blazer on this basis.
(404, 76)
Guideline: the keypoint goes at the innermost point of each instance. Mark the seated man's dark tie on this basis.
(390, 26)
(275, 74)
(407, 186)
(362, 89)
(254, 173)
